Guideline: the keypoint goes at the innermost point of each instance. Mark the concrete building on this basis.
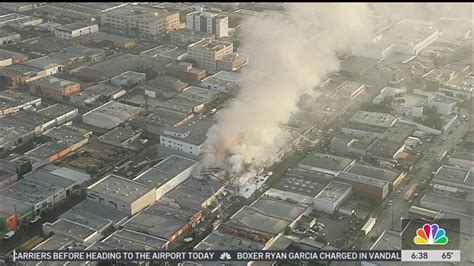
(222, 81)
(54, 88)
(463, 159)
(185, 72)
(9, 58)
(128, 79)
(12, 101)
(208, 22)
(394, 178)
(206, 53)
(101, 91)
(79, 54)
(409, 105)
(365, 187)
(121, 194)
(183, 37)
(19, 21)
(437, 202)
(232, 62)
(74, 30)
(129, 240)
(80, 233)
(324, 163)
(361, 123)
(110, 115)
(332, 196)
(455, 177)
(347, 145)
(141, 20)
(187, 137)
(7, 37)
(13, 212)
(167, 174)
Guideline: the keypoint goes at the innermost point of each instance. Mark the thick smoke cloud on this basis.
(288, 55)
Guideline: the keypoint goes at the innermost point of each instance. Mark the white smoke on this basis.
(288, 55)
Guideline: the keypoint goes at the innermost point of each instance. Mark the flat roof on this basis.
(165, 170)
(374, 172)
(194, 191)
(13, 98)
(56, 110)
(207, 44)
(132, 240)
(85, 218)
(326, 161)
(67, 134)
(334, 191)
(56, 242)
(162, 219)
(279, 208)
(197, 127)
(254, 219)
(144, 13)
(118, 187)
(75, 26)
(112, 110)
(388, 240)
(95, 209)
(45, 151)
(351, 177)
(9, 205)
(433, 200)
(119, 135)
(53, 83)
(71, 229)
(222, 241)
(299, 184)
(454, 175)
(373, 119)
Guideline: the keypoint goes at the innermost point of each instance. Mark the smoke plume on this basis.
(289, 54)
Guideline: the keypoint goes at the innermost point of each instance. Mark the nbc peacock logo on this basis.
(431, 234)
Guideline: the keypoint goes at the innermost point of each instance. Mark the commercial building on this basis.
(393, 177)
(79, 54)
(363, 124)
(409, 105)
(12, 101)
(121, 194)
(110, 115)
(123, 137)
(101, 91)
(13, 212)
(82, 234)
(324, 163)
(224, 241)
(463, 159)
(129, 240)
(141, 20)
(206, 53)
(30, 70)
(161, 117)
(19, 21)
(332, 196)
(183, 37)
(74, 30)
(232, 62)
(7, 37)
(365, 187)
(437, 202)
(18, 6)
(185, 72)
(188, 137)
(167, 174)
(9, 58)
(350, 146)
(108, 40)
(128, 79)
(455, 177)
(208, 22)
(222, 81)
(54, 88)
(40, 189)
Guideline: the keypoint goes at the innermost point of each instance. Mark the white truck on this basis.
(369, 225)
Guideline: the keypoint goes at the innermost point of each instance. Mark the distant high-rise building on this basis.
(208, 22)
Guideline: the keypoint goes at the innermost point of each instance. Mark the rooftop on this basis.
(144, 13)
(454, 175)
(197, 129)
(113, 111)
(210, 45)
(281, 209)
(53, 83)
(13, 98)
(326, 161)
(124, 189)
(373, 119)
(351, 177)
(446, 204)
(56, 242)
(165, 170)
(6, 54)
(71, 229)
(222, 241)
(374, 172)
(131, 240)
(300, 185)
(74, 26)
(334, 191)
(56, 110)
(255, 220)
(94, 214)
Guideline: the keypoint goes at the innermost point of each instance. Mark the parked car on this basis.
(9, 235)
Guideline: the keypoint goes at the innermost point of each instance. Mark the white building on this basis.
(208, 22)
(121, 194)
(332, 196)
(74, 30)
(128, 79)
(188, 137)
(167, 174)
